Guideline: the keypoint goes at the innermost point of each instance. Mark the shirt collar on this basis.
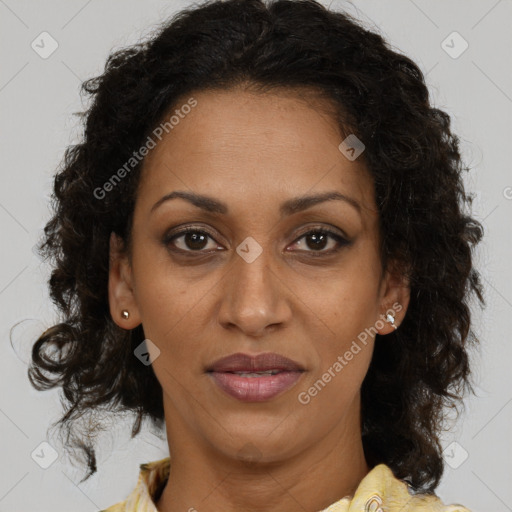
(378, 491)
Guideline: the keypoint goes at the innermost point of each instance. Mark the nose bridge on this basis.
(253, 269)
(252, 296)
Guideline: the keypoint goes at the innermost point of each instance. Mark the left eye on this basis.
(318, 239)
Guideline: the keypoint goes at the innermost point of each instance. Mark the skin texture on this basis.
(253, 152)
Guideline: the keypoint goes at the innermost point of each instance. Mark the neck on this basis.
(305, 484)
(206, 480)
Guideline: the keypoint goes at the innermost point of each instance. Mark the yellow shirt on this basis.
(378, 491)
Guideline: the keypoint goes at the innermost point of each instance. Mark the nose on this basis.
(255, 297)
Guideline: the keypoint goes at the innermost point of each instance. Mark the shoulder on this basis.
(381, 491)
(152, 478)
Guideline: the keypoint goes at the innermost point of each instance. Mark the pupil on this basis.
(319, 241)
(193, 240)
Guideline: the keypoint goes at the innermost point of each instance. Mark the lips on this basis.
(262, 362)
(250, 364)
(255, 378)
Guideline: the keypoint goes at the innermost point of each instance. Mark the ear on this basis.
(120, 286)
(395, 295)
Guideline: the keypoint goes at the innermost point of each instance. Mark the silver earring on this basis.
(125, 314)
(391, 320)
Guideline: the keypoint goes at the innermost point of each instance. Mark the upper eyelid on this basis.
(330, 229)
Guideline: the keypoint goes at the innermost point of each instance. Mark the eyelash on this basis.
(168, 239)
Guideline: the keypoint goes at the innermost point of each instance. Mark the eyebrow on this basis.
(289, 207)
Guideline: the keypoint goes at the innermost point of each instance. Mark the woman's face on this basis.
(249, 279)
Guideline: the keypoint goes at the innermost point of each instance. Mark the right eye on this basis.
(191, 239)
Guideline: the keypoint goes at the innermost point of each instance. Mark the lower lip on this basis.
(255, 389)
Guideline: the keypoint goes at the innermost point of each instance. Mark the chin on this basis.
(260, 448)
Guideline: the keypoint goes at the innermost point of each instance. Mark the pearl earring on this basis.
(391, 319)
(125, 314)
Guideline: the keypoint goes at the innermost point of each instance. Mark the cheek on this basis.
(347, 307)
(170, 317)
(164, 292)
(347, 303)
(333, 386)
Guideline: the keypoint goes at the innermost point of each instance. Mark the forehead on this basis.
(235, 142)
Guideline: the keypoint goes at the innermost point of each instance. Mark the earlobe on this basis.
(394, 302)
(123, 307)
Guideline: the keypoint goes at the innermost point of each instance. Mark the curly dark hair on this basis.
(378, 94)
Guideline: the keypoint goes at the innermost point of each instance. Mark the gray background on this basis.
(37, 99)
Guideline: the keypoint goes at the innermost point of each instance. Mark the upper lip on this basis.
(246, 363)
